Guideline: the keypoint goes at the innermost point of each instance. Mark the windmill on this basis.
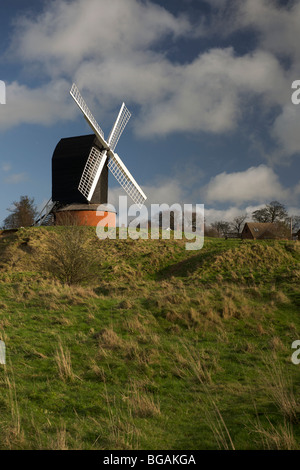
(80, 172)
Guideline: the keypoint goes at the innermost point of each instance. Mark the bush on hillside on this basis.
(69, 255)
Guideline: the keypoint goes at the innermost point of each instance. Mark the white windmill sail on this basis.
(97, 158)
(115, 164)
(126, 180)
(74, 92)
(118, 127)
(92, 172)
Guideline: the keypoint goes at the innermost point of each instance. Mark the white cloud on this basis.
(228, 214)
(294, 211)
(109, 47)
(16, 178)
(212, 215)
(297, 189)
(277, 25)
(45, 105)
(258, 184)
(210, 93)
(278, 34)
(168, 191)
(67, 33)
(106, 47)
(286, 130)
(110, 50)
(6, 167)
(248, 190)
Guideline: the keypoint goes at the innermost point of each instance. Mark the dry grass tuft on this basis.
(194, 363)
(60, 443)
(98, 371)
(133, 325)
(64, 364)
(276, 344)
(260, 329)
(13, 434)
(108, 339)
(278, 296)
(278, 386)
(122, 432)
(276, 438)
(140, 355)
(142, 405)
(125, 304)
(216, 423)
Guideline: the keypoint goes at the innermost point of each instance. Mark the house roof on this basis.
(257, 229)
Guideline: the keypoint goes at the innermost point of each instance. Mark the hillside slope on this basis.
(120, 344)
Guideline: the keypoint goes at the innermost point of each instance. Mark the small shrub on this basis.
(69, 255)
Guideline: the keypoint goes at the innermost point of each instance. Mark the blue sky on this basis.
(208, 84)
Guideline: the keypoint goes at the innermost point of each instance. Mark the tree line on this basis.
(24, 212)
(274, 212)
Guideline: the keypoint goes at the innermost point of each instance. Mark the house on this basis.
(296, 235)
(265, 231)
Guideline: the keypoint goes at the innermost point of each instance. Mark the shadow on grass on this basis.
(186, 267)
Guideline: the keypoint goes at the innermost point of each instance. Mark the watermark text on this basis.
(2, 92)
(296, 355)
(184, 221)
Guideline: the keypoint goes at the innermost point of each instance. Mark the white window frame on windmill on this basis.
(2, 92)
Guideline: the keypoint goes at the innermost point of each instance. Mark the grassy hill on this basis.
(140, 344)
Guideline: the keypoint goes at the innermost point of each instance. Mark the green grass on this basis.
(158, 348)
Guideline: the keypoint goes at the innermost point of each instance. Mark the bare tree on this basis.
(237, 223)
(23, 213)
(294, 220)
(209, 231)
(273, 212)
(221, 227)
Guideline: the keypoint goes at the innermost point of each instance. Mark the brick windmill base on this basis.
(85, 214)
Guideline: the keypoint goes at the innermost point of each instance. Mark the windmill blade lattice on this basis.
(119, 126)
(74, 92)
(97, 158)
(92, 169)
(126, 180)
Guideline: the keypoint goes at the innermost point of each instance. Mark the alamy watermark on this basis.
(296, 355)
(2, 92)
(184, 221)
(2, 352)
(296, 94)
